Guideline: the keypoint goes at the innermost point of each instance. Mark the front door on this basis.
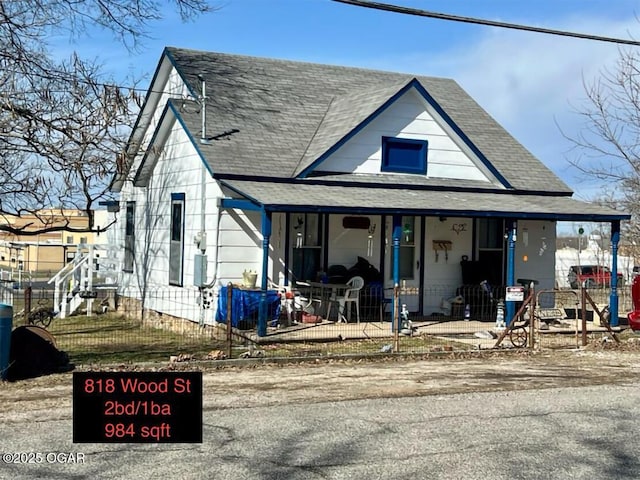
(408, 261)
(491, 249)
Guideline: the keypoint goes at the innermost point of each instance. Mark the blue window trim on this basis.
(177, 197)
(420, 147)
(129, 237)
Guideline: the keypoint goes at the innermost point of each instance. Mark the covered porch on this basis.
(415, 239)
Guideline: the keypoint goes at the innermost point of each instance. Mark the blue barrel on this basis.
(6, 325)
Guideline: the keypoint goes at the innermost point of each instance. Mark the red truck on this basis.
(591, 276)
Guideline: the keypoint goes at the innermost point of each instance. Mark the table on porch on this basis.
(326, 293)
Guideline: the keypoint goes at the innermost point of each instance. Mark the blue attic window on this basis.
(404, 155)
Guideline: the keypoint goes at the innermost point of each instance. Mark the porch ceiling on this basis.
(299, 197)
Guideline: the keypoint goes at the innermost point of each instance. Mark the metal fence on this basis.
(172, 324)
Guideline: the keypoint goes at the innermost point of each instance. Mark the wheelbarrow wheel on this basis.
(518, 337)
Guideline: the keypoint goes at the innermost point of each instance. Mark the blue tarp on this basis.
(245, 305)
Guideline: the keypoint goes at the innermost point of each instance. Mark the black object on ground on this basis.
(34, 353)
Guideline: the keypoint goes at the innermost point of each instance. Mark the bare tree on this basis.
(608, 146)
(63, 123)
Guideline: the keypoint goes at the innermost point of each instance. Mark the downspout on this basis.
(511, 255)
(396, 236)
(262, 311)
(613, 298)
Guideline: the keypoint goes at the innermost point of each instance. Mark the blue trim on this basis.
(404, 155)
(351, 181)
(178, 197)
(240, 204)
(395, 242)
(262, 311)
(129, 213)
(443, 213)
(414, 83)
(246, 197)
(149, 151)
(193, 140)
(150, 92)
(613, 297)
(458, 131)
(427, 212)
(511, 266)
(357, 129)
(176, 113)
(174, 64)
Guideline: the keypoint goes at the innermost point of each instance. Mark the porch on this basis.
(416, 248)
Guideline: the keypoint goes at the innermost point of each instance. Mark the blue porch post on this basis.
(613, 298)
(263, 310)
(511, 255)
(396, 236)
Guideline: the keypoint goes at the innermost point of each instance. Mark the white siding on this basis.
(234, 240)
(443, 275)
(536, 260)
(240, 245)
(174, 87)
(151, 269)
(409, 117)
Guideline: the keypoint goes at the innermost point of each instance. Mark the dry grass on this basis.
(115, 338)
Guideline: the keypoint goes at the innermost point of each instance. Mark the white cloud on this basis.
(529, 81)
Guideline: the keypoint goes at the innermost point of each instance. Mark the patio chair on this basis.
(351, 296)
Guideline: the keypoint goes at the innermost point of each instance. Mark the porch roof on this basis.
(369, 199)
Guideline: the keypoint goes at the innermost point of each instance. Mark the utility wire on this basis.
(407, 11)
(480, 21)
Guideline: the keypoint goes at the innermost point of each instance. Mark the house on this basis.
(285, 168)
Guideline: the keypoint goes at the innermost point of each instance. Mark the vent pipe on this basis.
(203, 106)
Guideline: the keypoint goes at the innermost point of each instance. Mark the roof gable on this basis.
(283, 111)
(405, 113)
(346, 116)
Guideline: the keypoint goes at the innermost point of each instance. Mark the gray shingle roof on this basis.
(302, 196)
(288, 113)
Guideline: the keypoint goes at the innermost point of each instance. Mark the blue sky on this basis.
(531, 83)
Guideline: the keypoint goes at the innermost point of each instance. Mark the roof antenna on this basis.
(203, 103)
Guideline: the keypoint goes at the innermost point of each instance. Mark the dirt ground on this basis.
(255, 384)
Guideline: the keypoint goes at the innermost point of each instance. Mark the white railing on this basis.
(73, 284)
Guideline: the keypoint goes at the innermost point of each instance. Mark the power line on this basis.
(480, 21)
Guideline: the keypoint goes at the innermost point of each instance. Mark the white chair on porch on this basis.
(351, 296)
